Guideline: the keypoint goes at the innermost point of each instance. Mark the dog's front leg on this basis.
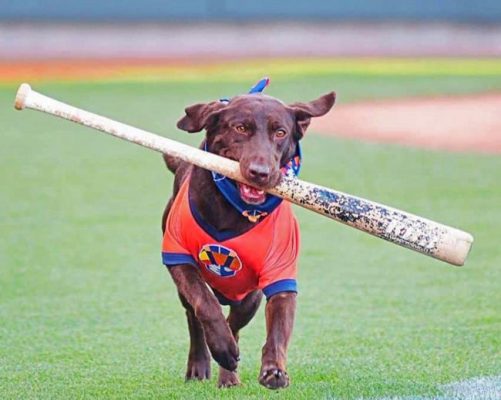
(280, 312)
(240, 315)
(218, 336)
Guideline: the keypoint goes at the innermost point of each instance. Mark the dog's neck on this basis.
(212, 206)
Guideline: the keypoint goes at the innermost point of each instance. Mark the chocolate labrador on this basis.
(228, 243)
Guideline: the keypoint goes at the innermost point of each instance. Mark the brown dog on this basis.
(262, 133)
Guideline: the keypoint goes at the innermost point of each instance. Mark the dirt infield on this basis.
(462, 123)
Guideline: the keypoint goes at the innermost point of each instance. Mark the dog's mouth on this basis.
(251, 195)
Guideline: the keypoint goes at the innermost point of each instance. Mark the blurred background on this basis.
(154, 29)
(86, 308)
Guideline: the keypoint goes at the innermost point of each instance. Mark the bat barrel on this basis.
(454, 247)
(416, 233)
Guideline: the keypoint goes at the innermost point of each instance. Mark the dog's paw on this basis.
(224, 349)
(274, 378)
(225, 353)
(198, 369)
(227, 378)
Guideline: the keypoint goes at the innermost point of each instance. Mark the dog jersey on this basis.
(265, 257)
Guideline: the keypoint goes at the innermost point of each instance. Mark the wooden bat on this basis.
(413, 232)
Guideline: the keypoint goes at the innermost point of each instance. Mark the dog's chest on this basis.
(230, 262)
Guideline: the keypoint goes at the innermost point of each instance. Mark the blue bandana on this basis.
(229, 188)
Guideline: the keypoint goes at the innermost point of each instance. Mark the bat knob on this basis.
(22, 93)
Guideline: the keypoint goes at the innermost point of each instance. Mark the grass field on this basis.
(88, 311)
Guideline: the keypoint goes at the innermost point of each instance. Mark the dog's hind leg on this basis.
(198, 358)
(239, 316)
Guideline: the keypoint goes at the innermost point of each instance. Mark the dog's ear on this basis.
(198, 116)
(316, 108)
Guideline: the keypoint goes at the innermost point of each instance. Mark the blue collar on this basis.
(252, 212)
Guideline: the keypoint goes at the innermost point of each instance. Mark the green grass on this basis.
(88, 311)
(245, 71)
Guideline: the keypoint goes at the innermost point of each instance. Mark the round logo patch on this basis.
(220, 260)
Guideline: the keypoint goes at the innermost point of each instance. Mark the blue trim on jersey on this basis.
(284, 285)
(219, 236)
(173, 259)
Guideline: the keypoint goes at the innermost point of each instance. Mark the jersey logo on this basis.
(220, 260)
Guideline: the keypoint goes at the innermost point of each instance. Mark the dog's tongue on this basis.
(251, 195)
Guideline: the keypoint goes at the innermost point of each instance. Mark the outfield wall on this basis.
(255, 10)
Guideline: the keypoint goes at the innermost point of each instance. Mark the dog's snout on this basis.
(260, 173)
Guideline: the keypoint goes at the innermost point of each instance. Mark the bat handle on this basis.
(22, 94)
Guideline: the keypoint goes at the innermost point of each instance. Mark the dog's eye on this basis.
(280, 133)
(240, 128)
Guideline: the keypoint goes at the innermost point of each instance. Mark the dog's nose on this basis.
(259, 173)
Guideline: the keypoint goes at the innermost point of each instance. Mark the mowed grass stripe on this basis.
(239, 71)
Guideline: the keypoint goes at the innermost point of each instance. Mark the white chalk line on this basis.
(481, 388)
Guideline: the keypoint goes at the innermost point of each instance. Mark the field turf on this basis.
(88, 311)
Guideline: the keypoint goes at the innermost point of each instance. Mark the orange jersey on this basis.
(265, 257)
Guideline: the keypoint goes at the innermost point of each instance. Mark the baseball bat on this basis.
(410, 231)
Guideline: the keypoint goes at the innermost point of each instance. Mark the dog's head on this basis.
(259, 131)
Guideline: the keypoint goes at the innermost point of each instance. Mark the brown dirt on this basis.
(462, 123)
